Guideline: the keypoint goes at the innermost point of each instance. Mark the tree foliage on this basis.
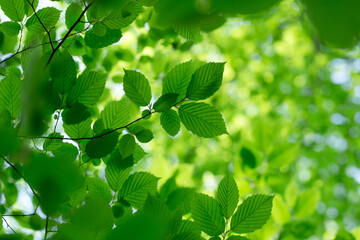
(179, 120)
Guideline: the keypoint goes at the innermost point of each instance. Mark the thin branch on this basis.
(7, 224)
(103, 134)
(46, 227)
(39, 45)
(69, 32)
(22, 215)
(42, 24)
(59, 112)
(22, 176)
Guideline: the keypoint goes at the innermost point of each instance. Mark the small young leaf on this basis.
(102, 146)
(228, 196)
(202, 120)
(49, 16)
(206, 212)
(63, 71)
(14, 9)
(205, 81)
(137, 187)
(137, 87)
(72, 14)
(252, 214)
(53, 144)
(170, 121)
(165, 102)
(88, 88)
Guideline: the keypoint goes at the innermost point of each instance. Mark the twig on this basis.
(42, 24)
(46, 227)
(22, 176)
(68, 33)
(7, 224)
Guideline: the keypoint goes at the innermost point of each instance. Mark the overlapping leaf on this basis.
(228, 196)
(88, 88)
(252, 214)
(170, 121)
(49, 16)
(205, 81)
(137, 187)
(14, 9)
(202, 120)
(137, 87)
(115, 114)
(206, 212)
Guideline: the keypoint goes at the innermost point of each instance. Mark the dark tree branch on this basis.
(103, 134)
(39, 45)
(42, 24)
(68, 33)
(22, 176)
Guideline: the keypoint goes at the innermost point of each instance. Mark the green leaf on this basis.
(53, 144)
(137, 87)
(28, 9)
(170, 121)
(306, 202)
(187, 236)
(144, 136)
(205, 81)
(66, 151)
(228, 196)
(280, 212)
(178, 79)
(80, 130)
(63, 71)
(14, 9)
(139, 153)
(75, 114)
(95, 41)
(127, 145)
(123, 17)
(72, 14)
(252, 214)
(243, 7)
(115, 114)
(10, 28)
(10, 88)
(202, 120)
(206, 212)
(248, 157)
(88, 88)
(9, 142)
(165, 102)
(97, 188)
(49, 16)
(116, 172)
(102, 144)
(237, 238)
(137, 187)
(189, 226)
(147, 3)
(188, 31)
